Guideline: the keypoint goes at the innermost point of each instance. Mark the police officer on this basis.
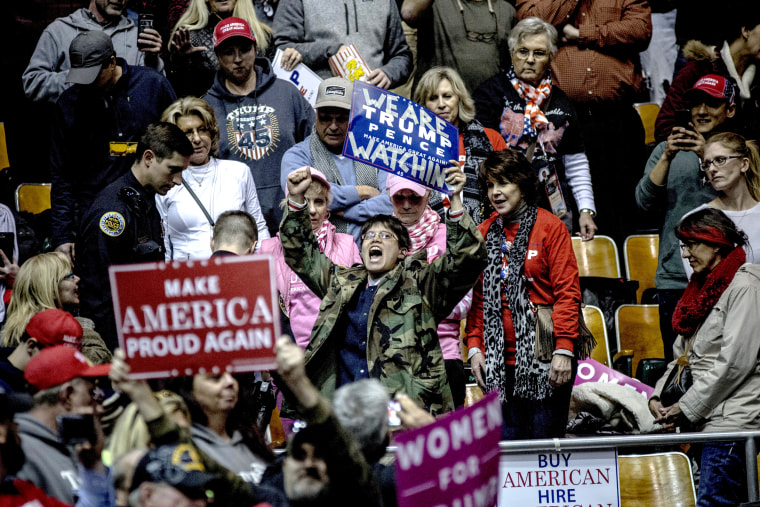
(123, 225)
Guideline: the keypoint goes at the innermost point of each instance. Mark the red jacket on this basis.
(552, 274)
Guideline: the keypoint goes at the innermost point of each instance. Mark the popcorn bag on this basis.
(348, 63)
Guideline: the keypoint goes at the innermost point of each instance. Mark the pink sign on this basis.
(454, 461)
(594, 371)
(184, 318)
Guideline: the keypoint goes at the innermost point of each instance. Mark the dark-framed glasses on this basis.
(719, 161)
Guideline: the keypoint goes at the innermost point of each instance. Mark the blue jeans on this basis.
(526, 419)
(722, 475)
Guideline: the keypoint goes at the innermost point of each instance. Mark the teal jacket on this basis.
(402, 347)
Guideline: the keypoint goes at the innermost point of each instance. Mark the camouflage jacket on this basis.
(402, 347)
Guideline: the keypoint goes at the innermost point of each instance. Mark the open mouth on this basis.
(375, 252)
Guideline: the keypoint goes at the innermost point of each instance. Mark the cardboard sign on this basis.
(565, 478)
(184, 318)
(454, 461)
(594, 371)
(302, 77)
(398, 135)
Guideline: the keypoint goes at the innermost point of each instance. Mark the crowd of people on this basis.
(174, 139)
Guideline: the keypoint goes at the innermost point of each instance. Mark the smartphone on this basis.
(76, 429)
(394, 408)
(6, 244)
(683, 118)
(144, 21)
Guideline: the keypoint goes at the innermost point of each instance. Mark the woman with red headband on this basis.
(717, 321)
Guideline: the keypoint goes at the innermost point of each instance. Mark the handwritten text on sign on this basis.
(185, 318)
(400, 136)
(566, 479)
(453, 461)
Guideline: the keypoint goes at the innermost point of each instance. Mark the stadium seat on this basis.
(4, 163)
(595, 321)
(640, 254)
(648, 480)
(598, 257)
(33, 197)
(637, 329)
(648, 112)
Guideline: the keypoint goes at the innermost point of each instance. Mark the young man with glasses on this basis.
(379, 320)
(673, 184)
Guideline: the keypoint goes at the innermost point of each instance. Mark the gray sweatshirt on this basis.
(45, 77)
(317, 29)
(49, 465)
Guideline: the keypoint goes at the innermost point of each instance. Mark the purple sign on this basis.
(594, 371)
(397, 135)
(454, 461)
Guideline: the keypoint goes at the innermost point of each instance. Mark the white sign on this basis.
(302, 77)
(560, 479)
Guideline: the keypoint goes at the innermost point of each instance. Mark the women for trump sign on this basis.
(453, 461)
(397, 135)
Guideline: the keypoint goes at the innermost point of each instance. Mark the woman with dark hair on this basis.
(717, 321)
(222, 425)
(530, 263)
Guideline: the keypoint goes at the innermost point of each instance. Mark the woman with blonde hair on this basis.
(47, 281)
(192, 57)
(210, 186)
(442, 90)
(731, 164)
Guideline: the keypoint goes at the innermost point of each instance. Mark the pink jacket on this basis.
(301, 303)
(448, 329)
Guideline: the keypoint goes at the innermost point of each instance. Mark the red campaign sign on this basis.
(184, 318)
(453, 461)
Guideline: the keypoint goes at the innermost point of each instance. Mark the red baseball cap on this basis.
(232, 27)
(54, 366)
(714, 86)
(55, 327)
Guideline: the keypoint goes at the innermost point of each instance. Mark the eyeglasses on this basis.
(201, 131)
(538, 54)
(689, 245)
(414, 198)
(473, 36)
(717, 162)
(70, 276)
(383, 235)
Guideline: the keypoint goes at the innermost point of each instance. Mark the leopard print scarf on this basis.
(531, 375)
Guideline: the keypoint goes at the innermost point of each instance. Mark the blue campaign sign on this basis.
(397, 135)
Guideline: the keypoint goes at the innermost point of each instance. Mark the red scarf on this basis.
(704, 291)
(422, 231)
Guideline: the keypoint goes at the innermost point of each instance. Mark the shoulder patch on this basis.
(112, 224)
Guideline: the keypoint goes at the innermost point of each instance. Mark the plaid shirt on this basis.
(602, 65)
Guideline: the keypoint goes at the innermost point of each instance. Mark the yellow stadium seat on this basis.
(648, 113)
(638, 332)
(33, 197)
(660, 479)
(598, 257)
(640, 254)
(595, 321)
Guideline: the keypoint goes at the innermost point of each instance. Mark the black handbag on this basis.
(679, 381)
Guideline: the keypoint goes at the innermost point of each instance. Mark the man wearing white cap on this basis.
(355, 186)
